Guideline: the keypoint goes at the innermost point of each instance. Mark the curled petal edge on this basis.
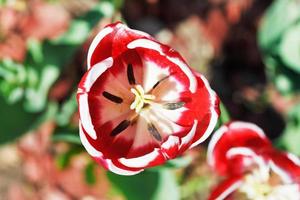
(226, 188)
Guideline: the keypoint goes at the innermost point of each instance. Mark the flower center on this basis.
(256, 186)
(141, 99)
(263, 185)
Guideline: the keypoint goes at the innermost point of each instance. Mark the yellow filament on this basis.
(140, 98)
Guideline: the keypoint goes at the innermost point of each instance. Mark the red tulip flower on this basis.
(253, 169)
(139, 102)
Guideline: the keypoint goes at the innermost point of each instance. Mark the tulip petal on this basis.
(235, 134)
(225, 189)
(139, 102)
(286, 165)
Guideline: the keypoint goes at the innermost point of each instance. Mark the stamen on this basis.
(173, 106)
(141, 99)
(121, 127)
(154, 132)
(130, 74)
(112, 97)
(158, 82)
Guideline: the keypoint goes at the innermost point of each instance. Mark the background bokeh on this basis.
(248, 49)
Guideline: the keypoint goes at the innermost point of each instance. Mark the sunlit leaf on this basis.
(290, 48)
(67, 137)
(67, 110)
(36, 98)
(35, 49)
(278, 18)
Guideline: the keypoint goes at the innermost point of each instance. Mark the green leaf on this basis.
(36, 98)
(278, 18)
(80, 27)
(76, 34)
(167, 187)
(35, 49)
(285, 79)
(89, 172)
(283, 83)
(290, 48)
(12, 80)
(67, 137)
(148, 185)
(291, 136)
(14, 121)
(66, 134)
(67, 110)
(224, 117)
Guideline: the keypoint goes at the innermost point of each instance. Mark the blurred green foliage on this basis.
(279, 39)
(24, 87)
(280, 44)
(291, 136)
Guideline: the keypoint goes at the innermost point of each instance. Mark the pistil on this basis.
(140, 98)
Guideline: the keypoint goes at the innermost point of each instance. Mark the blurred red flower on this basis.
(253, 168)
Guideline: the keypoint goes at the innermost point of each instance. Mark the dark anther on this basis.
(154, 132)
(112, 97)
(130, 75)
(121, 127)
(158, 82)
(173, 106)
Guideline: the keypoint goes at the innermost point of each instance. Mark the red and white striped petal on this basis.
(225, 189)
(98, 156)
(111, 42)
(207, 112)
(241, 149)
(227, 138)
(139, 102)
(286, 165)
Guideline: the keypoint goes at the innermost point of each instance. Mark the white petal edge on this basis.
(97, 154)
(255, 128)
(214, 114)
(219, 133)
(94, 73)
(120, 171)
(279, 171)
(149, 44)
(89, 148)
(126, 28)
(142, 161)
(172, 141)
(294, 159)
(85, 116)
(90, 79)
(189, 137)
(214, 140)
(244, 151)
(104, 32)
(229, 190)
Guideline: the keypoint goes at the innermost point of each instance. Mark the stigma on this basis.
(141, 99)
